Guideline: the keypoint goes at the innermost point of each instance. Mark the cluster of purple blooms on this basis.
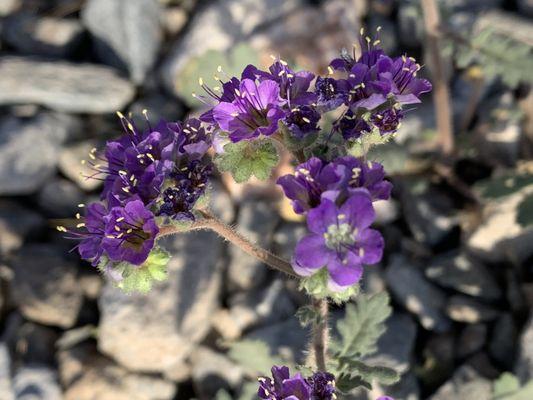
(160, 172)
(334, 192)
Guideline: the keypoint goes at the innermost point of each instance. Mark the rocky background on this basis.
(458, 265)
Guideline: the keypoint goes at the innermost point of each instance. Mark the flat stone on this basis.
(70, 165)
(256, 221)
(212, 371)
(127, 33)
(29, 150)
(468, 310)
(215, 26)
(88, 375)
(525, 7)
(524, 363)
(157, 331)
(6, 384)
(255, 308)
(286, 338)
(47, 36)
(459, 271)
(17, 222)
(395, 346)
(36, 381)
(45, 286)
(471, 340)
(287, 237)
(387, 211)
(500, 236)
(416, 294)
(62, 86)
(428, 212)
(59, 198)
(465, 384)
(502, 345)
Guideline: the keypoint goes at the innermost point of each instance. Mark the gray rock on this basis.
(36, 382)
(471, 340)
(29, 151)
(525, 7)
(438, 355)
(213, 371)
(47, 36)
(70, 165)
(17, 222)
(457, 270)
(416, 294)
(158, 106)
(395, 346)
(500, 237)
(502, 346)
(468, 310)
(387, 211)
(157, 331)
(59, 198)
(8, 6)
(524, 363)
(6, 385)
(286, 238)
(256, 221)
(88, 375)
(35, 343)
(410, 24)
(287, 339)
(253, 308)
(127, 33)
(45, 286)
(387, 32)
(62, 86)
(220, 202)
(175, 19)
(465, 384)
(428, 213)
(219, 26)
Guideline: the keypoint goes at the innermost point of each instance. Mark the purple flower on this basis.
(293, 86)
(316, 178)
(306, 186)
(385, 398)
(254, 111)
(331, 93)
(387, 121)
(351, 127)
(301, 121)
(321, 386)
(355, 173)
(340, 240)
(130, 233)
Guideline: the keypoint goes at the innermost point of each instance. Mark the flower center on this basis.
(340, 235)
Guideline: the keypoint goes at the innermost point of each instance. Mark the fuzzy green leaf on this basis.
(346, 383)
(384, 375)
(507, 387)
(140, 278)
(253, 355)
(307, 315)
(316, 285)
(362, 326)
(247, 158)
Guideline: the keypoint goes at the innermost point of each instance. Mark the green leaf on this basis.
(505, 385)
(525, 211)
(316, 285)
(249, 391)
(384, 375)
(248, 157)
(346, 383)
(205, 66)
(362, 326)
(140, 278)
(253, 355)
(307, 315)
(222, 395)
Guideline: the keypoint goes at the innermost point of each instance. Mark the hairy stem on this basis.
(231, 235)
(441, 97)
(320, 333)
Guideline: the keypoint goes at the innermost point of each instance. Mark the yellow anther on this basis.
(120, 219)
(120, 115)
(200, 81)
(81, 205)
(80, 225)
(78, 216)
(330, 70)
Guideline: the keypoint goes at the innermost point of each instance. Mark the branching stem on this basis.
(231, 235)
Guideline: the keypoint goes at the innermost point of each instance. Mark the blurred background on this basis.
(458, 231)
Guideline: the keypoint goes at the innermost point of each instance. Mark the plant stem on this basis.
(320, 333)
(441, 97)
(231, 235)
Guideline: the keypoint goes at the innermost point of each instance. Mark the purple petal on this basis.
(319, 218)
(359, 210)
(311, 252)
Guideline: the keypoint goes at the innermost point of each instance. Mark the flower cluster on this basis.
(320, 386)
(332, 188)
(160, 172)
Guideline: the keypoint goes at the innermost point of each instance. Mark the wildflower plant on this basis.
(156, 180)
